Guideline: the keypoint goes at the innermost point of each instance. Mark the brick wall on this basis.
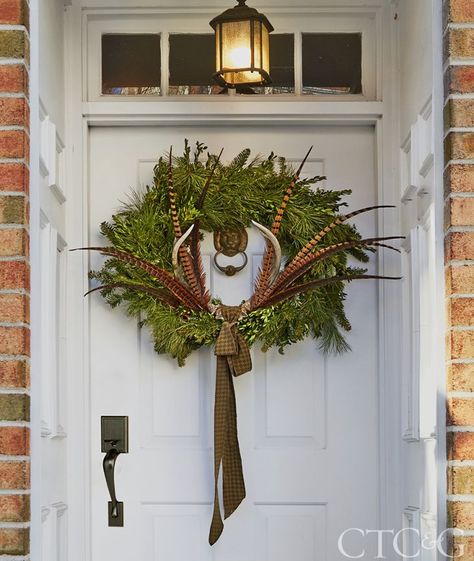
(14, 279)
(459, 260)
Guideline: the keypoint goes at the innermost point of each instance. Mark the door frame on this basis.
(84, 115)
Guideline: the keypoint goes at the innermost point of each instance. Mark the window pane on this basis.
(131, 64)
(332, 63)
(282, 65)
(192, 64)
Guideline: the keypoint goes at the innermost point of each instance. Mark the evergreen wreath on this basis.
(196, 192)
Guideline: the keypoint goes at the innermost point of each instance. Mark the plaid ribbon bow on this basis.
(233, 359)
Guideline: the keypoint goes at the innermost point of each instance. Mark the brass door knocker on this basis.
(231, 243)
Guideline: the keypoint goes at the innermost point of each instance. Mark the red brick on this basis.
(460, 411)
(13, 144)
(459, 80)
(460, 279)
(14, 541)
(460, 11)
(462, 311)
(14, 308)
(462, 345)
(14, 475)
(14, 275)
(13, 242)
(459, 113)
(14, 12)
(461, 377)
(14, 508)
(459, 245)
(461, 515)
(459, 178)
(13, 177)
(463, 549)
(14, 340)
(13, 111)
(459, 146)
(459, 43)
(14, 374)
(461, 480)
(459, 212)
(461, 446)
(13, 78)
(14, 441)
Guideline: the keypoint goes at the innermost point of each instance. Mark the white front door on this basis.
(308, 424)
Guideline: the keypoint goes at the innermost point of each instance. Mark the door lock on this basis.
(114, 441)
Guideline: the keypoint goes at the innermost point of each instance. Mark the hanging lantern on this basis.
(242, 47)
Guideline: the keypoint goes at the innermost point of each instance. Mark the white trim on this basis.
(35, 302)
(439, 320)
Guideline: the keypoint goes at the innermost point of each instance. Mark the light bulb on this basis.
(240, 57)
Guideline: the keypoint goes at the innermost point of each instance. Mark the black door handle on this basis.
(109, 472)
(114, 442)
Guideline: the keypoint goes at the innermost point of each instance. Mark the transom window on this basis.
(162, 53)
(132, 65)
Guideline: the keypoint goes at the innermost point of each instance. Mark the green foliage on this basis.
(243, 190)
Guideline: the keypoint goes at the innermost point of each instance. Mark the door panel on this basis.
(307, 423)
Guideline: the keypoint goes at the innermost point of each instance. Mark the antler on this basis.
(276, 262)
(263, 277)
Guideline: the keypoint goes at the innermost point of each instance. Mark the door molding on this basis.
(85, 115)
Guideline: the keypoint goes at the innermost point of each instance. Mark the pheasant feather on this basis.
(177, 288)
(312, 285)
(263, 278)
(184, 257)
(286, 278)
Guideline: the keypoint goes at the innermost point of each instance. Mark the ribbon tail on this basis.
(226, 449)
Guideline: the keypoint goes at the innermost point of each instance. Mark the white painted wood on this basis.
(49, 366)
(314, 418)
(235, 113)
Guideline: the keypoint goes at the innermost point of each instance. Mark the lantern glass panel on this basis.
(243, 45)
